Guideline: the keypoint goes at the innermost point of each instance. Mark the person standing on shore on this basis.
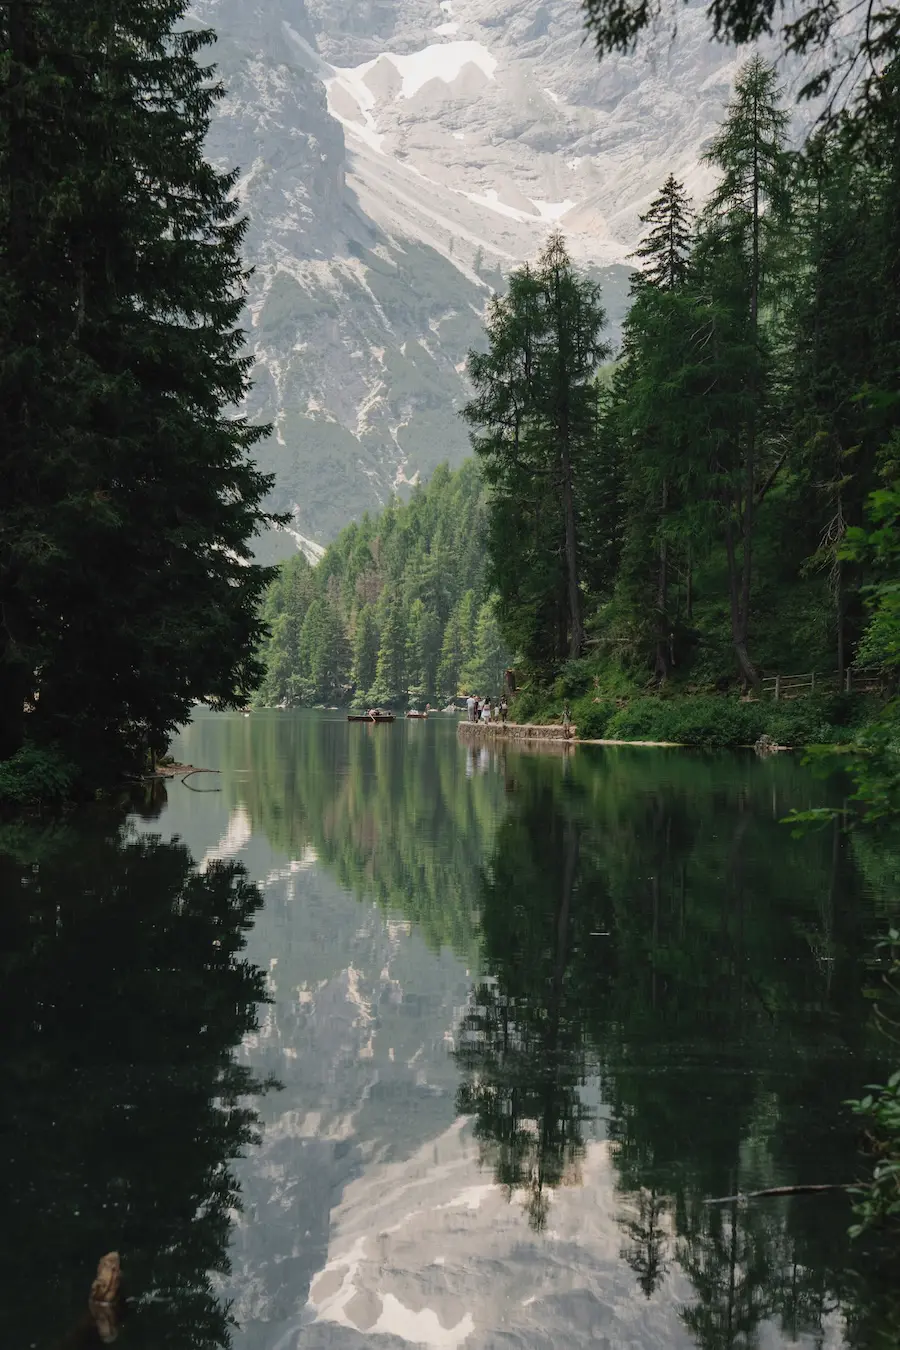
(470, 708)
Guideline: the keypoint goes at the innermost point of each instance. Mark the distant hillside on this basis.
(397, 611)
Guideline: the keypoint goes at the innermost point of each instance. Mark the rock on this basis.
(105, 1288)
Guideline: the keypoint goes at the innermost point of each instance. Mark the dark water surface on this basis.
(373, 1041)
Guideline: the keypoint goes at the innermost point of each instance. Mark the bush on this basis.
(528, 705)
(706, 721)
(592, 717)
(36, 776)
(719, 722)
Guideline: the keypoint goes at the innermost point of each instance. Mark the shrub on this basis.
(704, 721)
(527, 705)
(591, 717)
(718, 722)
(36, 776)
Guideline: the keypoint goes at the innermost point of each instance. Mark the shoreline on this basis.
(534, 731)
(531, 732)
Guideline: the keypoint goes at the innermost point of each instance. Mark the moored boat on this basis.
(374, 715)
(417, 716)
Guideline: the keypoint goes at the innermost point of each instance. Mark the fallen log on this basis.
(772, 1191)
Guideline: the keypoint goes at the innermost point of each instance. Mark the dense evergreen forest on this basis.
(689, 517)
(398, 609)
(700, 516)
(129, 492)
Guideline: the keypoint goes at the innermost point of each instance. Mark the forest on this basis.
(717, 505)
(710, 506)
(397, 611)
(130, 496)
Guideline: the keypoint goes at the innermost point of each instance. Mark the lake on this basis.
(371, 1039)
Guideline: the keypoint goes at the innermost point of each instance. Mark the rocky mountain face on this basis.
(396, 158)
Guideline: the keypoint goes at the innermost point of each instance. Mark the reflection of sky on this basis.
(368, 1216)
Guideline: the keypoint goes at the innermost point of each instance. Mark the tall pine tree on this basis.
(738, 267)
(535, 416)
(130, 499)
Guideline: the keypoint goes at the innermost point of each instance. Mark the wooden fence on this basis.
(855, 680)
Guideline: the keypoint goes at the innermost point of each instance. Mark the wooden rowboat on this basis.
(417, 716)
(374, 717)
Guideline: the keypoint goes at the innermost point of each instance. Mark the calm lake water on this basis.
(373, 1041)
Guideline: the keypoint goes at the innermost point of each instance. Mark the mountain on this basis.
(396, 158)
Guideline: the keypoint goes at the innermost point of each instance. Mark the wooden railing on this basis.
(855, 679)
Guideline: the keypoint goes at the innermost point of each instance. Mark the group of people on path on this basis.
(485, 710)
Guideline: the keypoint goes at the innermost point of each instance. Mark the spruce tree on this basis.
(648, 424)
(738, 269)
(131, 498)
(365, 649)
(664, 250)
(535, 420)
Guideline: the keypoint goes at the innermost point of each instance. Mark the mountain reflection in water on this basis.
(528, 1012)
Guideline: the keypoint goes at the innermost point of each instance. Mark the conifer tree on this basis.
(365, 649)
(390, 670)
(649, 428)
(130, 498)
(535, 414)
(738, 266)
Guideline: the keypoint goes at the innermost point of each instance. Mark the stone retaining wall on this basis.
(514, 731)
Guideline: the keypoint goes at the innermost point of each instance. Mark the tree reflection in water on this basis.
(122, 997)
(679, 947)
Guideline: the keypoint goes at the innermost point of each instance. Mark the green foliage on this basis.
(878, 1201)
(398, 608)
(592, 717)
(535, 422)
(706, 720)
(722, 486)
(846, 65)
(36, 776)
(130, 495)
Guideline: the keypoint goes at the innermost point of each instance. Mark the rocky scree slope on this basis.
(397, 157)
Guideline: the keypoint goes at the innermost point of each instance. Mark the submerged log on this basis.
(771, 1191)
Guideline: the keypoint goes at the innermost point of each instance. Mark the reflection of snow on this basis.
(308, 858)
(236, 837)
(339, 1295)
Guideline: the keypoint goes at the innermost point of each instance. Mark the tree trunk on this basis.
(839, 620)
(689, 587)
(662, 597)
(15, 678)
(576, 627)
(13, 693)
(738, 593)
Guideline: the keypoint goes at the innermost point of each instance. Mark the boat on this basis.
(378, 715)
(417, 716)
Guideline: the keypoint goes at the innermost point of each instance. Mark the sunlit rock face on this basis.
(397, 157)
